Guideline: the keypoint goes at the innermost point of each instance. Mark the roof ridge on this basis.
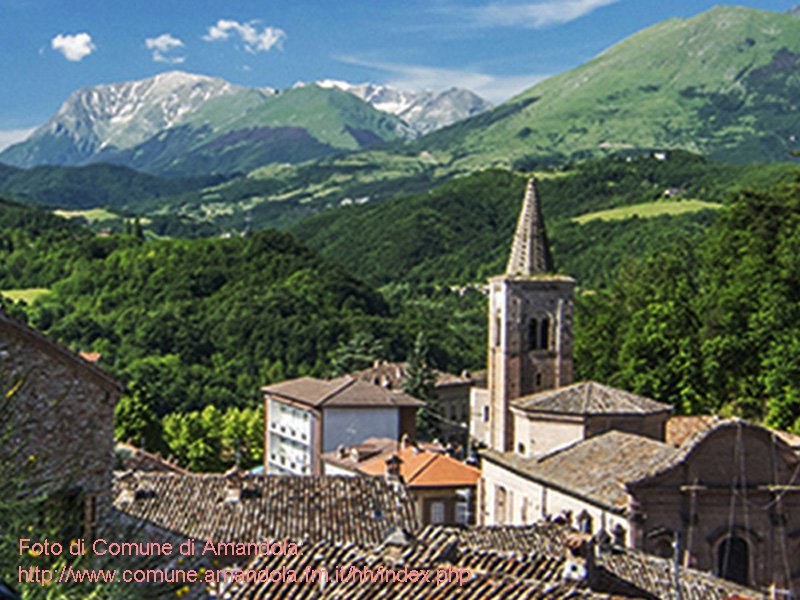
(347, 383)
(423, 466)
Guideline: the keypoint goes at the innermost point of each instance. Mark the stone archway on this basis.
(733, 559)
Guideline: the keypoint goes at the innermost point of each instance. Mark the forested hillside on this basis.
(201, 325)
(711, 327)
(460, 232)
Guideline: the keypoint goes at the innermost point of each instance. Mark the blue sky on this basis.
(494, 47)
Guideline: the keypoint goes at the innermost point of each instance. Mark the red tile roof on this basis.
(422, 468)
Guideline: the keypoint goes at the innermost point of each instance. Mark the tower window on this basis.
(533, 335)
(485, 413)
(544, 334)
(498, 326)
(539, 334)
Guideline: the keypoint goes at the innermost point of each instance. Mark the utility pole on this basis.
(676, 558)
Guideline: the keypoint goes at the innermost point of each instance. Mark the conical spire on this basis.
(530, 253)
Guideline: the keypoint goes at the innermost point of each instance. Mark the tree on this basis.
(420, 383)
(135, 421)
(359, 352)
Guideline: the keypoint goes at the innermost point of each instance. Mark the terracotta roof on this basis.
(589, 398)
(60, 351)
(422, 468)
(340, 392)
(92, 357)
(351, 457)
(681, 428)
(596, 469)
(355, 509)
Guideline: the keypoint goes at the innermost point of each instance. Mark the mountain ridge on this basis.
(123, 122)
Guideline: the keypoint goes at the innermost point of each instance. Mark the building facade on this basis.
(306, 417)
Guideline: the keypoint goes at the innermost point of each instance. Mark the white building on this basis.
(307, 416)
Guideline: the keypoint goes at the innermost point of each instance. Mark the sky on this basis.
(496, 48)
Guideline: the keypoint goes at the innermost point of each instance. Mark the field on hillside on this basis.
(647, 210)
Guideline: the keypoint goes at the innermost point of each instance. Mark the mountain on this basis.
(424, 111)
(724, 83)
(115, 116)
(180, 124)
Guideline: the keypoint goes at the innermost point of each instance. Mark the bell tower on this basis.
(530, 325)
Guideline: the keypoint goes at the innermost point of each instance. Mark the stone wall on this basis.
(58, 420)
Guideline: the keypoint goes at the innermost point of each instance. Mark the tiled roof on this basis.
(340, 392)
(699, 437)
(536, 561)
(682, 428)
(656, 576)
(352, 457)
(494, 573)
(596, 469)
(138, 459)
(422, 468)
(393, 375)
(354, 509)
(589, 398)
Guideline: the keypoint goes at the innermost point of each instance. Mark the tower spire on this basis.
(530, 252)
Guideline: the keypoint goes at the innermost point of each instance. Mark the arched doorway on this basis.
(733, 559)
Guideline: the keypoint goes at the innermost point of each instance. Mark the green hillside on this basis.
(460, 232)
(723, 84)
(92, 186)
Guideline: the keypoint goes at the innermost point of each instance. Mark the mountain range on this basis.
(179, 123)
(723, 84)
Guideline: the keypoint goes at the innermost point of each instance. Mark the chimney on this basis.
(234, 482)
(393, 468)
(127, 487)
(404, 442)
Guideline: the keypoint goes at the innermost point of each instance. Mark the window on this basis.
(500, 505)
(533, 335)
(538, 380)
(437, 513)
(498, 326)
(544, 334)
(521, 448)
(486, 413)
(462, 513)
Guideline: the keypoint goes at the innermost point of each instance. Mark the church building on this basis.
(725, 497)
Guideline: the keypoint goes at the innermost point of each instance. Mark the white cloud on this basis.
(494, 88)
(534, 15)
(74, 47)
(162, 46)
(12, 136)
(254, 40)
